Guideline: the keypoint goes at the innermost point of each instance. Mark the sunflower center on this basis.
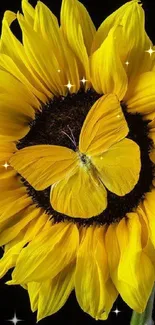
(60, 123)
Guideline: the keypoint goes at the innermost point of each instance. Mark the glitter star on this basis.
(59, 70)
(14, 320)
(150, 51)
(6, 165)
(69, 85)
(116, 311)
(127, 63)
(83, 80)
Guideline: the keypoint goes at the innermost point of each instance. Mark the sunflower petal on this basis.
(12, 227)
(132, 49)
(78, 31)
(28, 12)
(92, 275)
(6, 151)
(107, 72)
(16, 61)
(119, 167)
(104, 125)
(46, 24)
(140, 98)
(71, 195)
(37, 51)
(16, 111)
(54, 293)
(113, 19)
(33, 291)
(148, 206)
(133, 259)
(14, 247)
(57, 161)
(39, 260)
(136, 296)
(9, 209)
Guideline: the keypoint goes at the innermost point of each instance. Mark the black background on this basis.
(15, 298)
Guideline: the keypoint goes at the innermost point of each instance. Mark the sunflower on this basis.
(77, 154)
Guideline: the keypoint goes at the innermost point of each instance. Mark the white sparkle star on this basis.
(116, 311)
(14, 320)
(127, 63)
(83, 80)
(150, 51)
(6, 165)
(69, 85)
(59, 70)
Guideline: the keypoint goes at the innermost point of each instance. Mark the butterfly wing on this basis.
(119, 167)
(104, 125)
(43, 165)
(80, 195)
(116, 159)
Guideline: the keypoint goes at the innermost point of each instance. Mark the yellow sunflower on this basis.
(77, 134)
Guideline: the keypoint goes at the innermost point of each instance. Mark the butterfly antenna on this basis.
(69, 137)
(73, 138)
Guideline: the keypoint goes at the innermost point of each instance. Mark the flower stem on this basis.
(146, 317)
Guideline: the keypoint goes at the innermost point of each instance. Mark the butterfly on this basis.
(104, 159)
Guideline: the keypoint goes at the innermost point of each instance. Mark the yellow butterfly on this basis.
(78, 179)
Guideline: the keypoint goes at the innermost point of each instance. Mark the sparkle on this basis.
(69, 85)
(6, 165)
(150, 51)
(118, 115)
(83, 80)
(116, 311)
(127, 63)
(59, 70)
(14, 320)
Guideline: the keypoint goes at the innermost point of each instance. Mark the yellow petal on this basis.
(94, 289)
(54, 293)
(10, 257)
(28, 12)
(135, 296)
(33, 291)
(6, 150)
(148, 205)
(140, 97)
(78, 31)
(10, 86)
(75, 11)
(16, 61)
(16, 113)
(11, 228)
(39, 260)
(14, 247)
(107, 72)
(11, 206)
(132, 49)
(119, 167)
(37, 51)
(43, 165)
(46, 24)
(104, 125)
(80, 194)
(113, 19)
(133, 259)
